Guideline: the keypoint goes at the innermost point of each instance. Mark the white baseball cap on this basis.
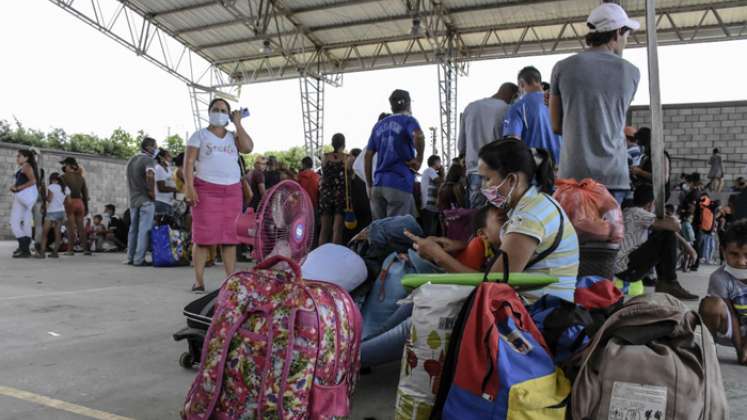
(609, 17)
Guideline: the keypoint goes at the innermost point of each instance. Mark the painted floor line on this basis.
(59, 405)
(71, 292)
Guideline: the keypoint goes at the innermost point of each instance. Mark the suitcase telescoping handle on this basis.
(278, 259)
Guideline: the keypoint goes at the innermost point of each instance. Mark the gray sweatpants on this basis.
(388, 202)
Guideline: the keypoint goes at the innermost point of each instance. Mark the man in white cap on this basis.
(591, 93)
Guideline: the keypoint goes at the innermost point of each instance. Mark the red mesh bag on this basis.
(593, 211)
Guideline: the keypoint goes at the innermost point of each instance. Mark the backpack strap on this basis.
(491, 263)
(541, 256)
(452, 357)
(707, 355)
(556, 242)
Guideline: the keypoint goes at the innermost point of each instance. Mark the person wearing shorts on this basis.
(76, 204)
(213, 186)
(55, 215)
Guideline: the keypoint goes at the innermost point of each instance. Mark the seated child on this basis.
(473, 255)
(480, 249)
(103, 237)
(724, 310)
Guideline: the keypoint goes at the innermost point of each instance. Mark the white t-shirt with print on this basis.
(163, 174)
(58, 199)
(638, 222)
(218, 160)
(428, 189)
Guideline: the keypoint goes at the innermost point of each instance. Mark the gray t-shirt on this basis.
(481, 123)
(137, 166)
(596, 89)
(725, 286)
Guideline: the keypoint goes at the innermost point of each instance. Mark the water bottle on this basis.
(244, 112)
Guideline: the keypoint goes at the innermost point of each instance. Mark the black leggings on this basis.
(660, 252)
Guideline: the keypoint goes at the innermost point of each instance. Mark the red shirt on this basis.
(309, 180)
(474, 255)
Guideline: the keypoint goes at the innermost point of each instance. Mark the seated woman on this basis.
(517, 180)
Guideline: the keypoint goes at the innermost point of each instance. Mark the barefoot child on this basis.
(724, 310)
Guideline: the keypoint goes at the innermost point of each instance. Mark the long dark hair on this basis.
(31, 160)
(161, 155)
(55, 177)
(511, 155)
(455, 173)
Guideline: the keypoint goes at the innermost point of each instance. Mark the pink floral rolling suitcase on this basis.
(278, 347)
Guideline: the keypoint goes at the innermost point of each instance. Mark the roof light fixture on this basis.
(266, 47)
(416, 29)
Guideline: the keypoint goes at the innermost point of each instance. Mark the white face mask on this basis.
(218, 119)
(738, 273)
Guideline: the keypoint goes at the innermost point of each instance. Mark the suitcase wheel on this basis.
(186, 361)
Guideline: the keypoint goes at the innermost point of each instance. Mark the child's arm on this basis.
(429, 249)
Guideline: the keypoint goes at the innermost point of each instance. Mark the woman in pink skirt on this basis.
(213, 186)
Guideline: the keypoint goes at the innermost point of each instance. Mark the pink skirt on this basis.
(214, 216)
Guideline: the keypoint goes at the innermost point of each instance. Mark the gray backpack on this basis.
(650, 361)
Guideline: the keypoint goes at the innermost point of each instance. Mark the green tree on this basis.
(86, 143)
(27, 136)
(57, 139)
(174, 144)
(122, 144)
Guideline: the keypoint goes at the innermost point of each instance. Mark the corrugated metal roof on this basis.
(352, 35)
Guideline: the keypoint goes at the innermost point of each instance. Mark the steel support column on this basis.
(657, 116)
(312, 109)
(448, 76)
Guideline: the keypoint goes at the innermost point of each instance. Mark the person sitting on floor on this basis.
(724, 310)
(517, 180)
(642, 251)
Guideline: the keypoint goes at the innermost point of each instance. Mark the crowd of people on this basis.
(52, 215)
(512, 146)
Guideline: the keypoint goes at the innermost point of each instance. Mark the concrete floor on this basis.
(95, 333)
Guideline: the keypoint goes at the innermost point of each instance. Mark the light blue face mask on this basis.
(218, 119)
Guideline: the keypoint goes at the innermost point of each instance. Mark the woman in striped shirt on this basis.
(517, 181)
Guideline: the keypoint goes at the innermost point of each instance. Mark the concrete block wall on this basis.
(106, 179)
(692, 131)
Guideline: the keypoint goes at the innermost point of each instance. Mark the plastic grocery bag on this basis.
(435, 310)
(593, 211)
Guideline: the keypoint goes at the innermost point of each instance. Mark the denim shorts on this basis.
(56, 216)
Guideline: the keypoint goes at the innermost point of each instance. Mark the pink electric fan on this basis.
(282, 225)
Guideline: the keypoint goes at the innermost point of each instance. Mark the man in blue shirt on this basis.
(528, 118)
(399, 143)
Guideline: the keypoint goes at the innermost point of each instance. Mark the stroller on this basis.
(282, 225)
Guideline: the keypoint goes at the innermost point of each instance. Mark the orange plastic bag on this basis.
(593, 211)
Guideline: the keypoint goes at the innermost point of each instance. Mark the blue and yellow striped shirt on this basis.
(536, 217)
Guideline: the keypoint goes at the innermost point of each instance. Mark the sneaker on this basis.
(39, 255)
(88, 253)
(126, 262)
(676, 290)
(22, 254)
(70, 253)
(198, 289)
(54, 255)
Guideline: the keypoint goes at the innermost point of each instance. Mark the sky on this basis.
(59, 72)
